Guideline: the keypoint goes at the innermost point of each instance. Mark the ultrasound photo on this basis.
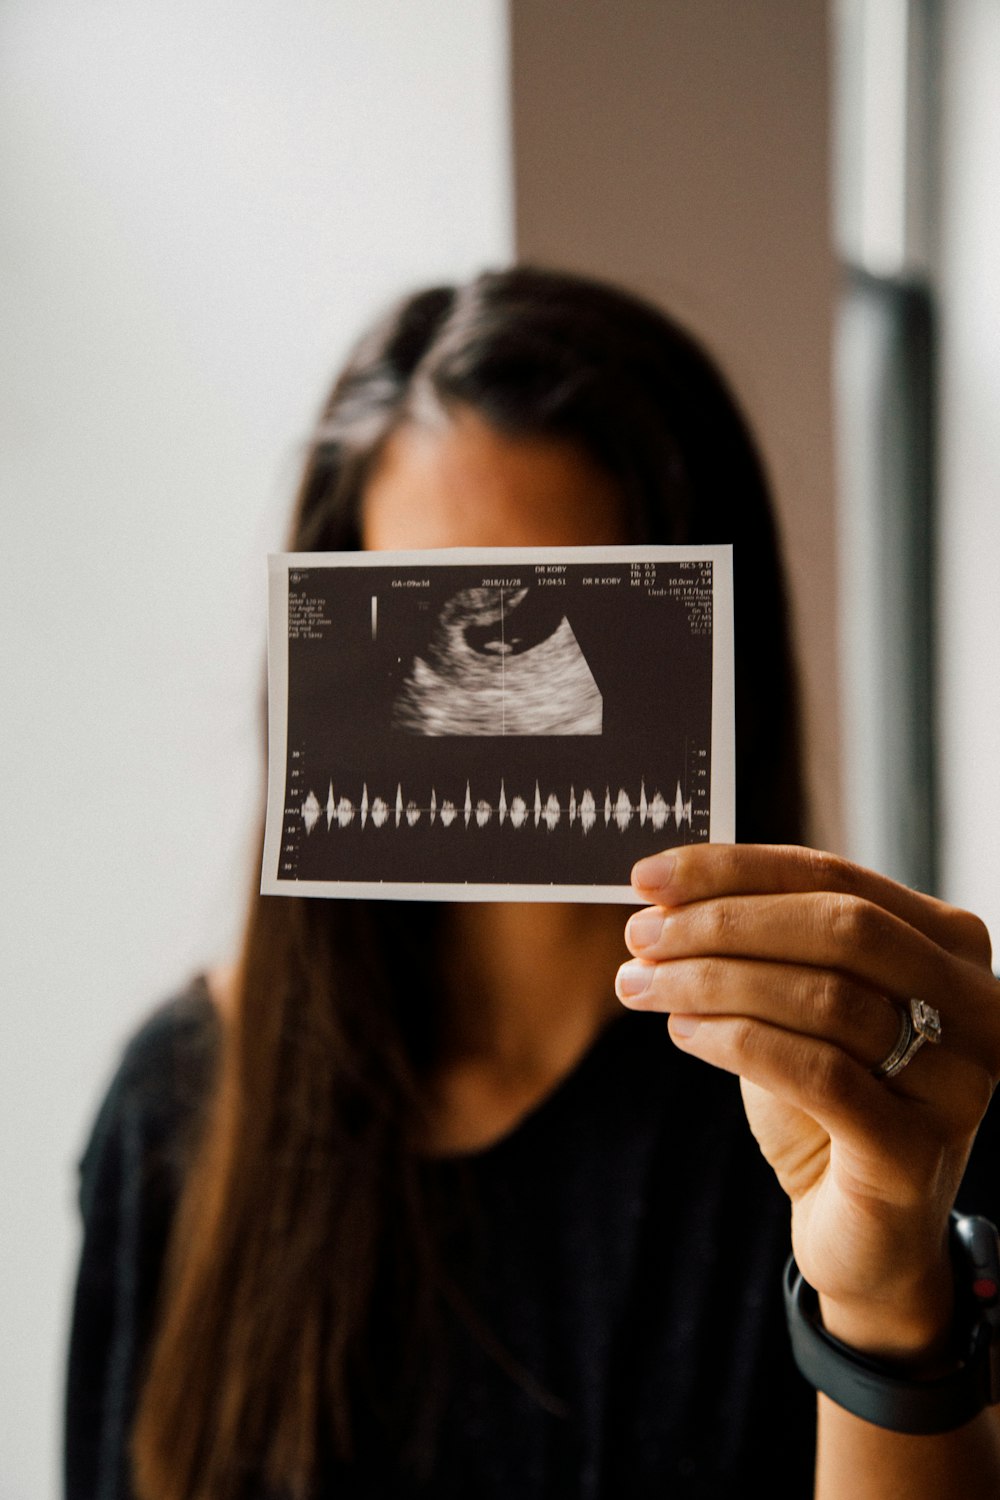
(495, 725)
(500, 662)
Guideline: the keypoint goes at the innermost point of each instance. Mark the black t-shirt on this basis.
(631, 1240)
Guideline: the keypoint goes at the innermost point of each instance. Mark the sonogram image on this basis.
(494, 724)
(500, 661)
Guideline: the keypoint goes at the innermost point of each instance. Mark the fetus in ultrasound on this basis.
(500, 661)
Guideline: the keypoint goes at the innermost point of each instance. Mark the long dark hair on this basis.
(305, 1193)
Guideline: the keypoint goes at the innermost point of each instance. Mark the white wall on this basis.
(969, 537)
(202, 205)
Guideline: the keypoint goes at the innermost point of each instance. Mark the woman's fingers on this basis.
(819, 928)
(808, 1012)
(704, 871)
(834, 935)
(940, 1096)
(806, 1001)
(792, 968)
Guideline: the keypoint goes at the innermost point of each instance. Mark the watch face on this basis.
(977, 1242)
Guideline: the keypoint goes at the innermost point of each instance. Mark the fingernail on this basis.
(654, 872)
(632, 980)
(644, 928)
(684, 1025)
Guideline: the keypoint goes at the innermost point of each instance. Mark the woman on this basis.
(407, 1204)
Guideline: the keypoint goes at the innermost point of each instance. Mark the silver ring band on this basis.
(918, 1023)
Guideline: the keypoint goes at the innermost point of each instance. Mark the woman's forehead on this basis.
(466, 484)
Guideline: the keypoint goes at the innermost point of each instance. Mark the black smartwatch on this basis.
(889, 1395)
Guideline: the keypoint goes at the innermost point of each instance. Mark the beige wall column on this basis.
(681, 147)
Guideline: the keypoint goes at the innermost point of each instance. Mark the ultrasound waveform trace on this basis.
(618, 811)
(500, 661)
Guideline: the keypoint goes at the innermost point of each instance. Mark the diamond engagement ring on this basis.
(918, 1023)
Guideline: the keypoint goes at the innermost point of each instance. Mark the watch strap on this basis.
(889, 1395)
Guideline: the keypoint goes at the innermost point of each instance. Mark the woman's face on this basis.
(464, 484)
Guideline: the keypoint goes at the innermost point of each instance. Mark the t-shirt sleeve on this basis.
(129, 1183)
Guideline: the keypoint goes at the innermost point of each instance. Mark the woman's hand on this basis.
(789, 968)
